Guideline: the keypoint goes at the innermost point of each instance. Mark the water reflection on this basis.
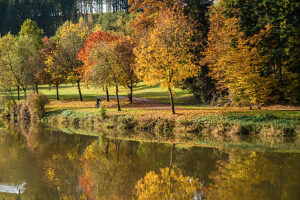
(59, 166)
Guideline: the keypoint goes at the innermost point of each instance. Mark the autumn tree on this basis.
(100, 61)
(56, 68)
(235, 61)
(48, 47)
(147, 13)
(281, 46)
(70, 38)
(126, 61)
(165, 55)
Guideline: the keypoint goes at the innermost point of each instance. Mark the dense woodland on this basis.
(227, 52)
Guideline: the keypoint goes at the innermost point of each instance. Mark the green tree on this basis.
(17, 55)
(30, 29)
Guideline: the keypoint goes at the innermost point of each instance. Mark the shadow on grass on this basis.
(143, 87)
(163, 97)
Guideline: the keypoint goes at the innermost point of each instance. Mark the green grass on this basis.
(69, 91)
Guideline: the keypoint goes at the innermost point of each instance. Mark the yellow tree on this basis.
(55, 67)
(165, 55)
(235, 61)
(70, 38)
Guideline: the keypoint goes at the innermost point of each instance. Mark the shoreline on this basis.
(251, 132)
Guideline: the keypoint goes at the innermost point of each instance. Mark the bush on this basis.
(102, 112)
(36, 104)
(34, 107)
(126, 122)
(7, 106)
(68, 113)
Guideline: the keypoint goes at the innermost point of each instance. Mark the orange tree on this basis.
(101, 67)
(165, 55)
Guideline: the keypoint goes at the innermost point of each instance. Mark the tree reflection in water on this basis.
(60, 166)
(167, 184)
(256, 175)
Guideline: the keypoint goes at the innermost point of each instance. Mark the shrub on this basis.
(24, 112)
(6, 105)
(68, 113)
(125, 122)
(102, 112)
(36, 104)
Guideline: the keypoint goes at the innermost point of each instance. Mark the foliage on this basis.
(19, 55)
(48, 47)
(87, 56)
(165, 55)
(30, 28)
(55, 68)
(145, 20)
(117, 23)
(235, 61)
(102, 112)
(70, 38)
(281, 44)
(36, 105)
(126, 61)
(168, 184)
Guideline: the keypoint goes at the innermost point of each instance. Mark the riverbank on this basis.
(212, 127)
(150, 119)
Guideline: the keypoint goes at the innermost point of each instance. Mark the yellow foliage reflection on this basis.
(168, 184)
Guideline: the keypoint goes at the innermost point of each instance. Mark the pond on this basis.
(39, 164)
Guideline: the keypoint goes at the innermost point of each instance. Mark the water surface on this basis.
(38, 164)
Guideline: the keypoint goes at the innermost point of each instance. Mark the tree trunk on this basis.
(280, 82)
(171, 101)
(25, 93)
(79, 90)
(18, 92)
(37, 87)
(117, 93)
(130, 95)
(107, 95)
(57, 94)
(12, 97)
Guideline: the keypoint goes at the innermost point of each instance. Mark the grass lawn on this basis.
(156, 93)
(186, 105)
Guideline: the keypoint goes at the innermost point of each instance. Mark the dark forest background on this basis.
(50, 14)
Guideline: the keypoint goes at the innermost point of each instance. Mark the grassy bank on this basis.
(149, 117)
(266, 128)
